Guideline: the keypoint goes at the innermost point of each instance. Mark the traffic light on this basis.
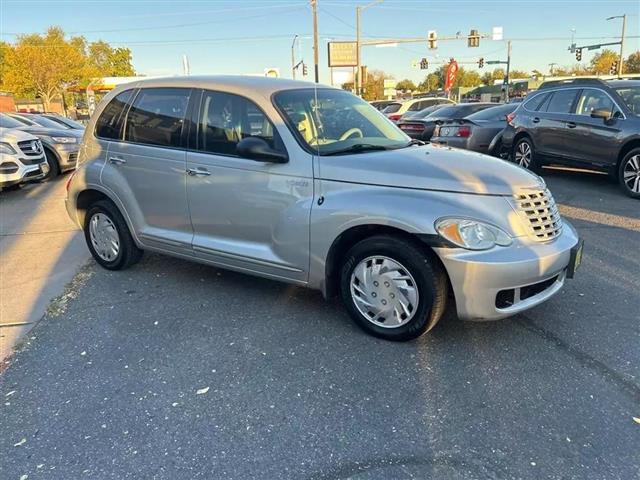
(614, 68)
(473, 40)
(424, 64)
(305, 70)
(481, 62)
(432, 40)
(578, 54)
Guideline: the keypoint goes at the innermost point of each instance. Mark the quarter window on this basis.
(534, 103)
(592, 99)
(225, 119)
(561, 101)
(157, 117)
(109, 124)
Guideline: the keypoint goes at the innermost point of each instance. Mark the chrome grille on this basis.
(540, 209)
(32, 148)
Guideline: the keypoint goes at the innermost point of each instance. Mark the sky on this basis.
(247, 36)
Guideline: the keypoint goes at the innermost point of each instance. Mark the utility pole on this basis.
(506, 78)
(551, 65)
(314, 7)
(359, 11)
(624, 25)
(293, 57)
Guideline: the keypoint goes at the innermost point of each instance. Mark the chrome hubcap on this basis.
(631, 174)
(523, 155)
(384, 292)
(104, 237)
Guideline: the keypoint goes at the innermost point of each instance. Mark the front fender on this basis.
(413, 211)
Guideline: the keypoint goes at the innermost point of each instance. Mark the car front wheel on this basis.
(392, 288)
(629, 173)
(108, 237)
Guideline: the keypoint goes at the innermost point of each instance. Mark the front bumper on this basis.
(67, 154)
(14, 171)
(477, 277)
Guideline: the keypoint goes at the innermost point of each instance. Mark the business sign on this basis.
(343, 54)
(452, 73)
(272, 72)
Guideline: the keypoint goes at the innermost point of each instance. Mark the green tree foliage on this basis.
(488, 78)
(431, 82)
(632, 63)
(373, 86)
(405, 85)
(44, 65)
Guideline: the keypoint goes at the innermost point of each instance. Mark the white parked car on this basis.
(21, 158)
(394, 111)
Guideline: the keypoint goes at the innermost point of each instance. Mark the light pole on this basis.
(293, 57)
(359, 11)
(314, 8)
(624, 24)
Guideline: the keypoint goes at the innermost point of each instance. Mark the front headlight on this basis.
(64, 139)
(6, 148)
(472, 234)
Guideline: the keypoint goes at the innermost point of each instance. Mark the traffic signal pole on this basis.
(506, 78)
(314, 7)
(621, 62)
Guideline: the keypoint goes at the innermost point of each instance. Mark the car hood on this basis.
(15, 135)
(430, 167)
(51, 132)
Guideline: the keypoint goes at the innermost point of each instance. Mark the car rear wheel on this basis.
(629, 173)
(523, 154)
(108, 237)
(392, 288)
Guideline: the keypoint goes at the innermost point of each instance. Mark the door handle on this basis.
(571, 125)
(198, 172)
(536, 120)
(117, 160)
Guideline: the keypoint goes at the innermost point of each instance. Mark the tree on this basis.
(405, 85)
(632, 63)
(110, 62)
(488, 78)
(42, 65)
(430, 83)
(467, 78)
(519, 74)
(373, 86)
(601, 62)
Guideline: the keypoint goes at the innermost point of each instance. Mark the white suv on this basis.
(21, 158)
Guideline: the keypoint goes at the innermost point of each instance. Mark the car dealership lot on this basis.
(107, 384)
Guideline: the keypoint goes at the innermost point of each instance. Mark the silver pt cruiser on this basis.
(311, 185)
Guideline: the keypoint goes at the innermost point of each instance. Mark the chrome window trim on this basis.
(553, 90)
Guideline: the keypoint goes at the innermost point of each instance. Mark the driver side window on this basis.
(592, 99)
(225, 119)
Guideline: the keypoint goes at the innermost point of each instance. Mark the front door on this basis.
(554, 130)
(593, 137)
(147, 171)
(248, 215)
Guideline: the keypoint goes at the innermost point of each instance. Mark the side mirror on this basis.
(601, 113)
(258, 149)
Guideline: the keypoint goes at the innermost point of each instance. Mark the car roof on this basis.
(242, 84)
(624, 83)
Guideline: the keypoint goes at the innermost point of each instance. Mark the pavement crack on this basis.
(625, 385)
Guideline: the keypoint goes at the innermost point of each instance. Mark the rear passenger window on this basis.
(534, 103)
(225, 119)
(561, 101)
(109, 125)
(157, 117)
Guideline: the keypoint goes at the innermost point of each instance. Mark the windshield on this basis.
(631, 96)
(46, 122)
(494, 113)
(8, 122)
(392, 108)
(427, 111)
(330, 121)
(23, 121)
(65, 121)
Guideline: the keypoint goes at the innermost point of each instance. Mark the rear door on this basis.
(554, 123)
(147, 170)
(246, 214)
(591, 139)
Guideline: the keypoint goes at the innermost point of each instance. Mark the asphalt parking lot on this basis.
(173, 370)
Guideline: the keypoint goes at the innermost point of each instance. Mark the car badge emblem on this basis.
(35, 146)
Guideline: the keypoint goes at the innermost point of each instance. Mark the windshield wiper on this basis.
(415, 141)
(358, 147)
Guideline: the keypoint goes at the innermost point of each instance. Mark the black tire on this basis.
(630, 163)
(128, 253)
(54, 167)
(423, 266)
(523, 143)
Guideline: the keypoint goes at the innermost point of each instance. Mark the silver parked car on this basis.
(313, 186)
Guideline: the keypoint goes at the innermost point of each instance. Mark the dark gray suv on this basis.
(581, 122)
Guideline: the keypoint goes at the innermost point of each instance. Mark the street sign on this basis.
(343, 54)
(389, 83)
(497, 33)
